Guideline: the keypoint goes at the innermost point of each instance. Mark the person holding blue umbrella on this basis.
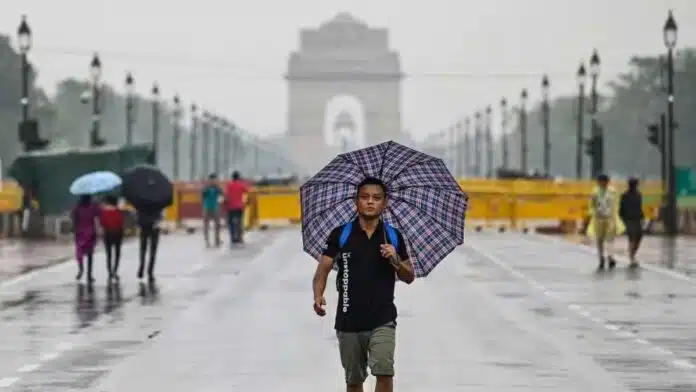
(86, 214)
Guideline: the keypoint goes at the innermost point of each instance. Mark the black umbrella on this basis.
(147, 187)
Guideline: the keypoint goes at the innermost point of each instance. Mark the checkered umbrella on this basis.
(425, 202)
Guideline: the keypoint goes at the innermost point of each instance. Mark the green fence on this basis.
(49, 173)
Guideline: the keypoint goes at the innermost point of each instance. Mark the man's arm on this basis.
(402, 264)
(321, 275)
(404, 270)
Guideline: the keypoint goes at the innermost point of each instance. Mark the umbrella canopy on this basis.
(147, 187)
(95, 182)
(424, 201)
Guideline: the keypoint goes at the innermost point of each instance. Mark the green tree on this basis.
(636, 100)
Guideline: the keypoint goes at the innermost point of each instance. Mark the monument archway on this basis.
(344, 57)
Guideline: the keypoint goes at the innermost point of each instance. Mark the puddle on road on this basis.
(511, 295)
(544, 311)
(511, 365)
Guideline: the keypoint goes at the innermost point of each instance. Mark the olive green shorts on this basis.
(370, 348)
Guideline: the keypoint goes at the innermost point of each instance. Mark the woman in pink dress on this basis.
(84, 217)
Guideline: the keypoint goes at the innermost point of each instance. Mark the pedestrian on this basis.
(149, 220)
(369, 253)
(210, 197)
(112, 222)
(236, 193)
(605, 223)
(84, 219)
(631, 212)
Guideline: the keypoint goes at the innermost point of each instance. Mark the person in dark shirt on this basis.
(631, 212)
(369, 264)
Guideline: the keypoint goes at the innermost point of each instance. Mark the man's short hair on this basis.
(236, 175)
(212, 176)
(603, 178)
(371, 181)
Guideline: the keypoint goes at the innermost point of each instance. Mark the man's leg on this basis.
(206, 226)
(381, 356)
(600, 234)
(240, 226)
(353, 348)
(144, 239)
(216, 224)
(230, 225)
(609, 247)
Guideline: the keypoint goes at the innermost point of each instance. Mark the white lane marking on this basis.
(29, 368)
(49, 356)
(678, 362)
(8, 381)
(683, 364)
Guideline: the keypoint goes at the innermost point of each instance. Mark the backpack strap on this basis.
(391, 233)
(345, 233)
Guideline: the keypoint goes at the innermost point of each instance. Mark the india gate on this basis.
(344, 91)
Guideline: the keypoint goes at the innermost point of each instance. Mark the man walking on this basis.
(235, 196)
(605, 223)
(210, 195)
(371, 256)
(631, 212)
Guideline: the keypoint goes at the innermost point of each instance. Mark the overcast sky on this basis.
(229, 56)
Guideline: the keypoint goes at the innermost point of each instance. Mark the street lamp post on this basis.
(225, 129)
(95, 68)
(176, 128)
(217, 126)
(155, 120)
(461, 170)
(503, 131)
(597, 139)
(130, 93)
(523, 131)
(582, 79)
(205, 155)
(670, 40)
(193, 146)
(452, 148)
(25, 42)
(467, 146)
(477, 144)
(545, 85)
(489, 143)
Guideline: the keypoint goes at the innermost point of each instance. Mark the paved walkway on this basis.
(507, 313)
(19, 256)
(677, 254)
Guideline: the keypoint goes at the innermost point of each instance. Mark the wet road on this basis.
(57, 335)
(508, 312)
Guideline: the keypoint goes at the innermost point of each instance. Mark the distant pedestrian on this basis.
(605, 223)
(631, 212)
(84, 219)
(112, 221)
(371, 256)
(210, 197)
(149, 220)
(236, 193)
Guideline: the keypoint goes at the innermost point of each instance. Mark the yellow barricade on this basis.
(511, 202)
(10, 197)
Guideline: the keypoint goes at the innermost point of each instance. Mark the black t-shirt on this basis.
(365, 279)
